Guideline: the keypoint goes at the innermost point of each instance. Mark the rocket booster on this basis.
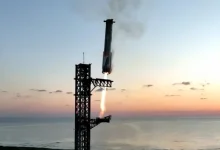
(107, 54)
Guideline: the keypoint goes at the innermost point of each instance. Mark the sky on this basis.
(166, 55)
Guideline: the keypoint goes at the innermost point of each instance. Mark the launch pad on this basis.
(83, 121)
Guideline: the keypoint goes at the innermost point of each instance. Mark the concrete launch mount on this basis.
(83, 121)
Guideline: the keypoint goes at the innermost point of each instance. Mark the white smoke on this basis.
(124, 12)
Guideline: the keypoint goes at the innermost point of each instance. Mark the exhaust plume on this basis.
(102, 104)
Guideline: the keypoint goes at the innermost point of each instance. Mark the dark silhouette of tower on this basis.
(83, 121)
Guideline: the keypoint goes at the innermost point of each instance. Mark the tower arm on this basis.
(101, 83)
(97, 121)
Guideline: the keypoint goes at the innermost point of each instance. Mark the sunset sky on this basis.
(155, 42)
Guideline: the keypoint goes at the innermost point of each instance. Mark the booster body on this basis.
(107, 54)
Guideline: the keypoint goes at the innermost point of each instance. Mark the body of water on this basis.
(139, 134)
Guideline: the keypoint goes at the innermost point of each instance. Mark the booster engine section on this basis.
(107, 54)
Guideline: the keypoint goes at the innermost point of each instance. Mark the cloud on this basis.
(195, 89)
(171, 95)
(182, 83)
(4, 91)
(38, 90)
(204, 84)
(42, 90)
(99, 90)
(111, 89)
(186, 83)
(69, 92)
(58, 91)
(147, 85)
(123, 90)
(26, 96)
(97, 100)
(180, 90)
(192, 88)
(18, 95)
(107, 89)
(203, 98)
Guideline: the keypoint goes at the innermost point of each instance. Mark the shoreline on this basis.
(26, 148)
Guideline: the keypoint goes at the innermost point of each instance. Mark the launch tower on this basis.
(83, 121)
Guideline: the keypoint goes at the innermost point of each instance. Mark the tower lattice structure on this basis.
(83, 121)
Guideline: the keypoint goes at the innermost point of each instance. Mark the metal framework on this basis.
(83, 121)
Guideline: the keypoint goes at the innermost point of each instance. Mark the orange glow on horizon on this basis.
(139, 101)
